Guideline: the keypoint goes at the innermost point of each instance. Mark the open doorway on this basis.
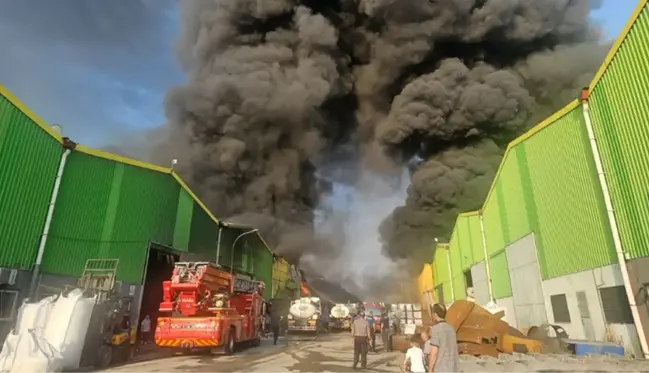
(160, 265)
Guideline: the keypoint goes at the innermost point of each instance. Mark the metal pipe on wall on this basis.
(235, 242)
(48, 222)
(486, 257)
(450, 274)
(218, 245)
(617, 242)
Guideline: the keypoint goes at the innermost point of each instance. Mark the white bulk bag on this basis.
(60, 318)
(34, 354)
(34, 315)
(75, 337)
(8, 353)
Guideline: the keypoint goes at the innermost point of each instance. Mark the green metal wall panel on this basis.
(29, 160)
(203, 234)
(107, 209)
(500, 281)
(441, 271)
(465, 241)
(263, 267)
(473, 225)
(184, 213)
(512, 199)
(492, 224)
(620, 117)
(457, 272)
(571, 230)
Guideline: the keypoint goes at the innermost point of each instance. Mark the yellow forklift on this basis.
(110, 338)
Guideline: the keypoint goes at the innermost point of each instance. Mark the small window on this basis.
(616, 305)
(468, 280)
(8, 300)
(560, 308)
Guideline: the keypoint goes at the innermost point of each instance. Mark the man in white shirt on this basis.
(145, 329)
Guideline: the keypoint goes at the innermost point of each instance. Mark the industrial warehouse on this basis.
(559, 241)
(565, 226)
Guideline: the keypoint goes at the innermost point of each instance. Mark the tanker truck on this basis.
(304, 313)
(341, 316)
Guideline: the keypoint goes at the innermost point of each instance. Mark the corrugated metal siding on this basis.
(29, 159)
(473, 223)
(459, 288)
(281, 275)
(571, 233)
(107, 209)
(620, 117)
(492, 224)
(465, 242)
(182, 230)
(263, 267)
(500, 281)
(443, 277)
(204, 234)
(512, 198)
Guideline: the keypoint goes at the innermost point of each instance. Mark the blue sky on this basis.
(100, 68)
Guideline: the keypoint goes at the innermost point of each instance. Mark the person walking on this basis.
(370, 321)
(276, 321)
(443, 355)
(385, 331)
(414, 360)
(145, 329)
(361, 336)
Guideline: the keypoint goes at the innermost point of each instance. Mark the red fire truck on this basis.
(207, 307)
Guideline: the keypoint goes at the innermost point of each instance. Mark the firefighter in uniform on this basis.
(361, 336)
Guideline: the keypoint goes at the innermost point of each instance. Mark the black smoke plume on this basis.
(276, 87)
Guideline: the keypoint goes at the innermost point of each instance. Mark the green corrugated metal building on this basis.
(551, 235)
(107, 207)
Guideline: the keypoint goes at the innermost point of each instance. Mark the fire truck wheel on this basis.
(230, 346)
(256, 342)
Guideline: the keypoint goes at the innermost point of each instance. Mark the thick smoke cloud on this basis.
(277, 87)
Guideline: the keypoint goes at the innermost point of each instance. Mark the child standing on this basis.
(414, 361)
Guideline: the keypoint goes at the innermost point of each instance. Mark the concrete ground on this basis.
(333, 353)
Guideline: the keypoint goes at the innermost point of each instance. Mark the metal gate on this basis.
(480, 285)
(525, 275)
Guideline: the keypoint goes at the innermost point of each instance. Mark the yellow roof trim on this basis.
(468, 214)
(121, 159)
(35, 118)
(520, 139)
(194, 197)
(618, 43)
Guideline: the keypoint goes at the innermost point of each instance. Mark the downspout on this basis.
(218, 244)
(621, 257)
(48, 219)
(450, 272)
(486, 258)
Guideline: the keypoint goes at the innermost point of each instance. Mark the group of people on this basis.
(433, 350)
(364, 336)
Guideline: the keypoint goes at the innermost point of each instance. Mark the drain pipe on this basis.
(486, 258)
(218, 244)
(48, 220)
(621, 257)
